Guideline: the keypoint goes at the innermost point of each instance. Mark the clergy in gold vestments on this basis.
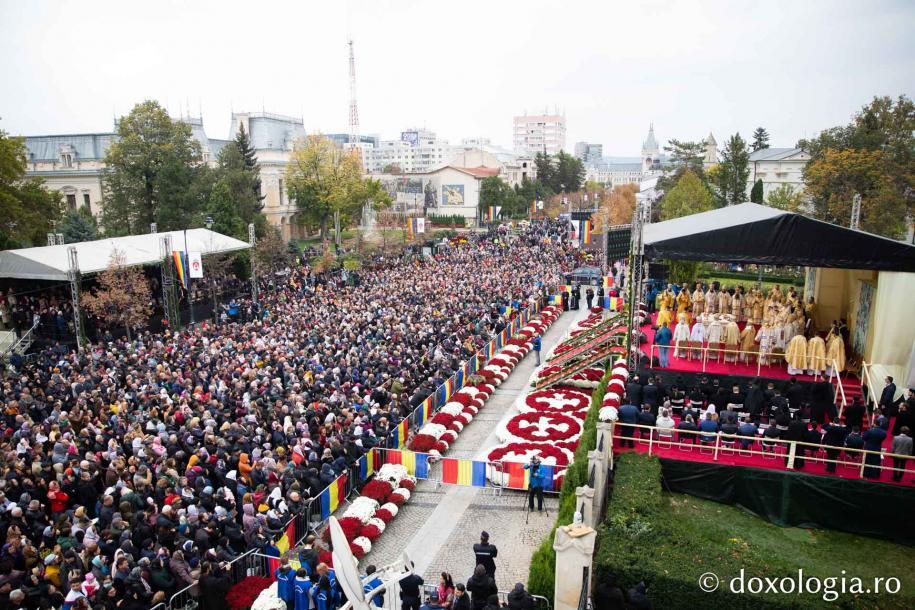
(835, 350)
(683, 301)
(665, 315)
(698, 299)
(816, 354)
(796, 354)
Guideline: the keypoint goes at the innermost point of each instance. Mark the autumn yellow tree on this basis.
(122, 297)
(325, 179)
(616, 206)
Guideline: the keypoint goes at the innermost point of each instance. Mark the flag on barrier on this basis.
(399, 434)
(464, 472)
(417, 464)
(608, 281)
(368, 465)
(333, 496)
(287, 540)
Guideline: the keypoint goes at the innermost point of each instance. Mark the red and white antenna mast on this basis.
(353, 108)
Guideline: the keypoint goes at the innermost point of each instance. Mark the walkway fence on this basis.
(718, 444)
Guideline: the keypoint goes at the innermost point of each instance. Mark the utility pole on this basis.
(353, 108)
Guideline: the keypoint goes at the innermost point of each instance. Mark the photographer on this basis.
(535, 487)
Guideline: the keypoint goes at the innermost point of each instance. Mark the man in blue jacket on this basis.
(284, 583)
(535, 486)
(372, 582)
(301, 589)
(663, 338)
(537, 346)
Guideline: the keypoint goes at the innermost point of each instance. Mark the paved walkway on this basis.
(440, 523)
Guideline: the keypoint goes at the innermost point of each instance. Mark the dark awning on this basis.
(752, 233)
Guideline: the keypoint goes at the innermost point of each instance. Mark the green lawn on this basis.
(764, 548)
(747, 283)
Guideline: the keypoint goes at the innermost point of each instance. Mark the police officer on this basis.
(485, 554)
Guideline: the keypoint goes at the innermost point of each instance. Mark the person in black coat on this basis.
(797, 431)
(214, 585)
(519, 599)
(480, 586)
(887, 402)
(634, 391)
(854, 413)
(461, 599)
(795, 394)
(754, 400)
(411, 592)
(834, 438)
(485, 554)
(650, 395)
(608, 595)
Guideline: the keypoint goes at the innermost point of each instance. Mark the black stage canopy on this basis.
(753, 233)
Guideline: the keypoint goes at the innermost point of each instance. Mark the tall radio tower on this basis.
(353, 108)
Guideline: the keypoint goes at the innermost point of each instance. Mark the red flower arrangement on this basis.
(371, 531)
(461, 398)
(575, 400)
(408, 485)
(442, 418)
(544, 449)
(357, 550)
(242, 595)
(326, 557)
(384, 514)
(423, 443)
(377, 490)
(395, 499)
(552, 431)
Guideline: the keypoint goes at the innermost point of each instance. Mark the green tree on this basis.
(833, 180)
(760, 139)
(494, 192)
(570, 173)
(545, 169)
(243, 146)
(325, 179)
(243, 183)
(733, 171)
(526, 193)
(756, 193)
(27, 208)
(885, 128)
(689, 196)
(78, 225)
(153, 174)
(684, 156)
(222, 208)
(392, 168)
(787, 198)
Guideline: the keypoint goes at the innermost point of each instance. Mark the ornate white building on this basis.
(651, 152)
(73, 164)
(711, 152)
(777, 167)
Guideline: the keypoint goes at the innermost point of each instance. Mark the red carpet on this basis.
(851, 385)
(734, 458)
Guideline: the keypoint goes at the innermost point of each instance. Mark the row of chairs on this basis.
(727, 352)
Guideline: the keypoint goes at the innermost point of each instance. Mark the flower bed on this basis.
(436, 436)
(243, 594)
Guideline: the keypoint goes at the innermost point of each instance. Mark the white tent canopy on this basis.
(52, 262)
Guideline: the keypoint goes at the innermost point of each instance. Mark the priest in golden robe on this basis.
(683, 301)
(796, 355)
(698, 299)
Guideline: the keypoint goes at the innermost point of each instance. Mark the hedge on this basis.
(751, 278)
(447, 220)
(541, 576)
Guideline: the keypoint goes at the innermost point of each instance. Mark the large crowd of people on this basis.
(133, 468)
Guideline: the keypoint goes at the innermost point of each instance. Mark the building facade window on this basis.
(71, 201)
(86, 200)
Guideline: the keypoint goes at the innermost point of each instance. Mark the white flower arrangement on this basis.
(449, 436)
(268, 599)
(433, 430)
(362, 508)
(392, 473)
(457, 424)
(365, 543)
(612, 396)
(402, 492)
(452, 408)
(391, 508)
(377, 523)
(464, 418)
(608, 414)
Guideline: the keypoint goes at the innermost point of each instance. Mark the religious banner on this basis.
(195, 265)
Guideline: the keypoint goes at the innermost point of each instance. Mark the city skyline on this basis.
(673, 64)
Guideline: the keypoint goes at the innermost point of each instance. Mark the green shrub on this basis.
(447, 220)
(541, 576)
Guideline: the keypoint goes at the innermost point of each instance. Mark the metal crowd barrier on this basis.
(541, 603)
(716, 444)
(247, 564)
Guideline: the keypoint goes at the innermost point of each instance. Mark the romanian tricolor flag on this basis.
(464, 472)
(533, 208)
(520, 478)
(608, 282)
(446, 390)
(555, 299)
(492, 213)
(181, 267)
(585, 232)
(399, 434)
(333, 496)
(614, 303)
(424, 413)
(368, 465)
(417, 464)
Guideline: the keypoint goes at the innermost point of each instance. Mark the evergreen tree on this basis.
(734, 171)
(760, 139)
(545, 169)
(242, 182)
(243, 145)
(756, 194)
(154, 174)
(78, 225)
(223, 209)
(685, 156)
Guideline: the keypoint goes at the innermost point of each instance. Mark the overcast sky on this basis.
(462, 69)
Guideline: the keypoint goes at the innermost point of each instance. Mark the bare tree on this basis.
(122, 296)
